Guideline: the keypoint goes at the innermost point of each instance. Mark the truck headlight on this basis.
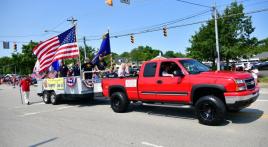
(240, 85)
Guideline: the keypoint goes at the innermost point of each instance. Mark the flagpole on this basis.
(80, 67)
(111, 55)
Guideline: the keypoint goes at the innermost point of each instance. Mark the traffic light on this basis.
(165, 31)
(109, 2)
(132, 39)
(15, 47)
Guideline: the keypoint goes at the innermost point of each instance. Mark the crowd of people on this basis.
(10, 80)
(92, 71)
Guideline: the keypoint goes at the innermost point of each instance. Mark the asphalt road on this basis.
(79, 123)
(263, 73)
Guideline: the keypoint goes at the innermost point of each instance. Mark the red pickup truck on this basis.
(184, 81)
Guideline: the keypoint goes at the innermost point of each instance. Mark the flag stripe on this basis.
(62, 46)
(60, 49)
(40, 46)
(51, 57)
(46, 48)
(74, 54)
(36, 47)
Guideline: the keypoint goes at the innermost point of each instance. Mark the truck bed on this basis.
(130, 84)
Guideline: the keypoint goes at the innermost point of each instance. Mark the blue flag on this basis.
(56, 65)
(105, 49)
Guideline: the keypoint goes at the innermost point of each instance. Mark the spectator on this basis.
(14, 80)
(233, 67)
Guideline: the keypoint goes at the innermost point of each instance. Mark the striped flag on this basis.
(63, 46)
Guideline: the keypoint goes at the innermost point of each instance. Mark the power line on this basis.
(192, 3)
(170, 27)
(160, 25)
(183, 25)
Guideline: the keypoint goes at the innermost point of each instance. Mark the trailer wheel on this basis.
(46, 98)
(119, 102)
(54, 98)
(210, 110)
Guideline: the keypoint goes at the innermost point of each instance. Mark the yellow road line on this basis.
(264, 116)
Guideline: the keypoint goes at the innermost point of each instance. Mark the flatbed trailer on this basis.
(74, 87)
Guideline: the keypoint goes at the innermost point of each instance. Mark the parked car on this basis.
(263, 66)
(33, 81)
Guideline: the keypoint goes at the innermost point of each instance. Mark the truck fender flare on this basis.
(198, 86)
(121, 88)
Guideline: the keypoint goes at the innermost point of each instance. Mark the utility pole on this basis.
(217, 38)
(72, 20)
(85, 51)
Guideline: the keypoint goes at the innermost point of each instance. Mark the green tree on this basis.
(26, 60)
(143, 53)
(235, 29)
(172, 54)
(5, 64)
(262, 46)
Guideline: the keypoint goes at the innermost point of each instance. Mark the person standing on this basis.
(101, 65)
(76, 69)
(25, 87)
(14, 80)
(122, 70)
(63, 70)
(87, 67)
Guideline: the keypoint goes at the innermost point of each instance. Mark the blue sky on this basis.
(25, 20)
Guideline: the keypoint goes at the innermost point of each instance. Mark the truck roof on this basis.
(168, 59)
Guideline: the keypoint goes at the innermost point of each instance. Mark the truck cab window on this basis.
(149, 70)
(168, 68)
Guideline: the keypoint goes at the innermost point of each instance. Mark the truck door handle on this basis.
(159, 82)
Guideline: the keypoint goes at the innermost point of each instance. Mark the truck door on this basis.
(171, 86)
(146, 83)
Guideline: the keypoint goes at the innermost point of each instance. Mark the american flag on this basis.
(63, 46)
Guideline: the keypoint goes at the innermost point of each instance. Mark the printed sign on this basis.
(53, 84)
(131, 83)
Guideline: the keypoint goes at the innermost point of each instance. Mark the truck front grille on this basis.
(250, 83)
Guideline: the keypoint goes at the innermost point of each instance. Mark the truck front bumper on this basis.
(239, 100)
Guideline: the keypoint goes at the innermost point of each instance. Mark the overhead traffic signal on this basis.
(109, 2)
(132, 39)
(165, 31)
(15, 47)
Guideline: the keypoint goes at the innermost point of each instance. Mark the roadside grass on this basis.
(263, 80)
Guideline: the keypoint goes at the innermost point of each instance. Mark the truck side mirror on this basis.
(178, 73)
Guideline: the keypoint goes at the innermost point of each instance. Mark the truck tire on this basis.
(46, 98)
(210, 110)
(119, 102)
(54, 98)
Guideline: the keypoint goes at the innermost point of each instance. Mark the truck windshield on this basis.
(193, 66)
